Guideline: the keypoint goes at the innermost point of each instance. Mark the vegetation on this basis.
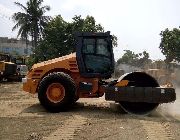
(51, 37)
(170, 44)
(133, 59)
(58, 39)
(31, 21)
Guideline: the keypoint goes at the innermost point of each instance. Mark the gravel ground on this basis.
(23, 118)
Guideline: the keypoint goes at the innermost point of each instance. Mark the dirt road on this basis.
(22, 117)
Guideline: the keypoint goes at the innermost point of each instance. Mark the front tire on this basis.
(139, 79)
(56, 92)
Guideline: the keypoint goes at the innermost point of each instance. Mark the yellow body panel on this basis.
(2, 66)
(30, 86)
(122, 83)
(65, 64)
(57, 62)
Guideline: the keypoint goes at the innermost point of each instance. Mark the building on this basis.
(15, 47)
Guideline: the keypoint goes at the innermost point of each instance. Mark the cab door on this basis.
(94, 55)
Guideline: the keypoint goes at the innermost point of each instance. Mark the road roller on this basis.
(60, 82)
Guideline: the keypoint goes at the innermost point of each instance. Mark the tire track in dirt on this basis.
(157, 130)
(67, 131)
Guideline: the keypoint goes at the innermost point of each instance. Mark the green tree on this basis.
(31, 21)
(133, 59)
(170, 44)
(58, 39)
(55, 42)
(22, 22)
(128, 58)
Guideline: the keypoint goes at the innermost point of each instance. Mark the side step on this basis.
(140, 94)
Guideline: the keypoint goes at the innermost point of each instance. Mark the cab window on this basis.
(88, 45)
(96, 55)
(102, 47)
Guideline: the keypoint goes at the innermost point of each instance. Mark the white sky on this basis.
(136, 23)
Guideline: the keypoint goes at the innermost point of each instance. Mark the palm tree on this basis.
(23, 23)
(31, 21)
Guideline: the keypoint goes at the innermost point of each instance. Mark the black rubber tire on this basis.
(9, 80)
(76, 98)
(67, 83)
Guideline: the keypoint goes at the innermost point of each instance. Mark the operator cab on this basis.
(95, 55)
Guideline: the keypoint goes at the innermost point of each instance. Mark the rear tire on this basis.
(56, 92)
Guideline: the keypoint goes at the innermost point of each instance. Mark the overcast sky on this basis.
(136, 23)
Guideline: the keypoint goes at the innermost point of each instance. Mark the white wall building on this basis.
(15, 47)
